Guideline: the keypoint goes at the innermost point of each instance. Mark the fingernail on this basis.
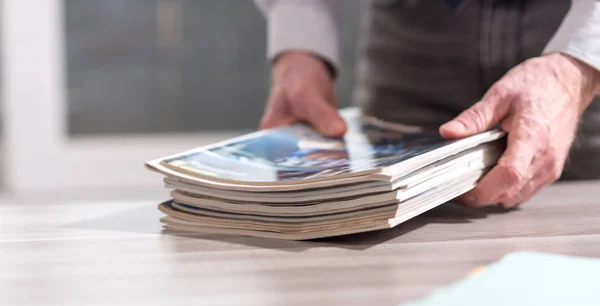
(454, 126)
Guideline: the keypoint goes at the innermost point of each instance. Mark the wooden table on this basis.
(113, 253)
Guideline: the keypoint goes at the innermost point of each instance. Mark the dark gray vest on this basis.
(422, 62)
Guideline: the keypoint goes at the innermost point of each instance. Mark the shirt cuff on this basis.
(579, 33)
(309, 25)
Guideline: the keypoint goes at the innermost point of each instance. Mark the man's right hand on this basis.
(302, 91)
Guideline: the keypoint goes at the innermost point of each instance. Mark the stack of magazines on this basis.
(294, 183)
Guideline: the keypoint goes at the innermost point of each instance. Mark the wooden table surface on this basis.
(114, 253)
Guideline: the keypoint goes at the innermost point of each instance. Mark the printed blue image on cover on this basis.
(297, 152)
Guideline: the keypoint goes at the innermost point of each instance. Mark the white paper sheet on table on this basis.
(525, 278)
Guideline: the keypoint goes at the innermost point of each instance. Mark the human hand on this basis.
(538, 103)
(302, 91)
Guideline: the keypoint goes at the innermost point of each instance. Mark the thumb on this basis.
(325, 118)
(479, 118)
(276, 113)
(313, 107)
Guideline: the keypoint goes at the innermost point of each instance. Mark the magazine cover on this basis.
(297, 152)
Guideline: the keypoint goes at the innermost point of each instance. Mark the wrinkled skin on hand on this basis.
(539, 104)
(302, 91)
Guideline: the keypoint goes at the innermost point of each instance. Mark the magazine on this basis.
(476, 158)
(293, 183)
(297, 154)
(190, 218)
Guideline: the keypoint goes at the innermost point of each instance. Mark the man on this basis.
(531, 66)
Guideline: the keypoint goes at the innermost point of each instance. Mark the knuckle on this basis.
(475, 116)
(501, 90)
(512, 175)
(479, 115)
(533, 128)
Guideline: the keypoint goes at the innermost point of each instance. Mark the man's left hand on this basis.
(539, 104)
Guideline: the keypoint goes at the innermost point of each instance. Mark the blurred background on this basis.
(148, 66)
(139, 72)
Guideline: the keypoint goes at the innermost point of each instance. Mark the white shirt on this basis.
(313, 25)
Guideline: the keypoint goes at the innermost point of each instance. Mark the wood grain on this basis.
(115, 253)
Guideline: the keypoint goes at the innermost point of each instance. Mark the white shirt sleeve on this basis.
(308, 25)
(313, 26)
(579, 33)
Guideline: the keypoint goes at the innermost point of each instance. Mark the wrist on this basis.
(292, 55)
(588, 77)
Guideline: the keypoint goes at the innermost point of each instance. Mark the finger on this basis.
(527, 192)
(277, 112)
(516, 197)
(478, 118)
(320, 113)
(519, 198)
(548, 170)
(271, 122)
(467, 199)
(513, 170)
(326, 119)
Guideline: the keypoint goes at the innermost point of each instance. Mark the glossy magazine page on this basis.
(297, 153)
(191, 218)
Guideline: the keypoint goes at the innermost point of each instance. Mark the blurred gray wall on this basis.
(148, 66)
